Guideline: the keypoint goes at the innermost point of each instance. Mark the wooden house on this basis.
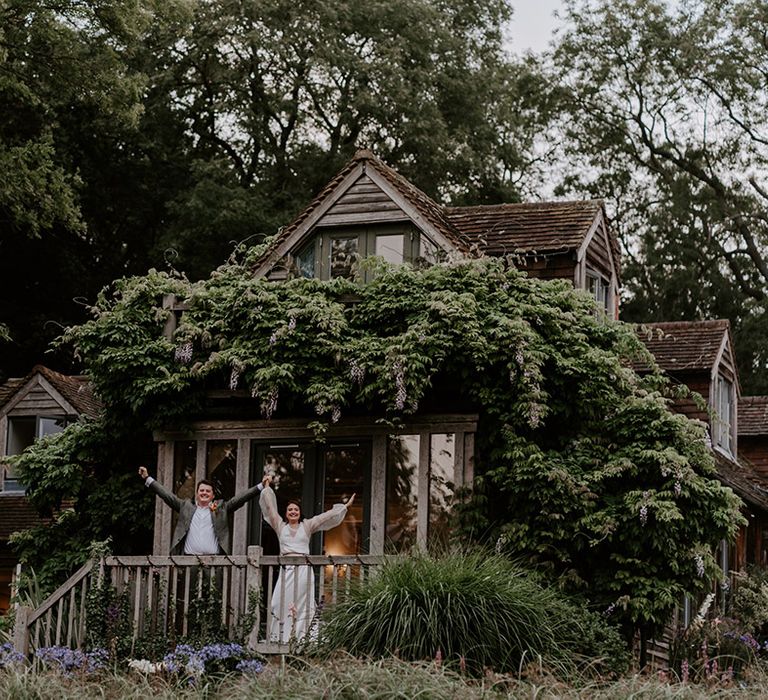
(700, 355)
(42, 403)
(369, 209)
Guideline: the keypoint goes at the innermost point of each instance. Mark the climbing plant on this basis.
(582, 467)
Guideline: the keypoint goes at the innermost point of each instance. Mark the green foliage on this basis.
(749, 600)
(584, 467)
(472, 610)
(84, 478)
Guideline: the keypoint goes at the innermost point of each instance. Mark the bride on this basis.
(293, 599)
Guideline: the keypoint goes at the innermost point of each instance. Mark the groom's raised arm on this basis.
(153, 485)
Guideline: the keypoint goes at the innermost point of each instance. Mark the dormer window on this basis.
(336, 253)
(723, 418)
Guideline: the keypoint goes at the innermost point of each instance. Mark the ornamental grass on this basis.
(471, 610)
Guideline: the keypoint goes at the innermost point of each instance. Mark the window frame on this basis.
(723, 426)
(321, 245)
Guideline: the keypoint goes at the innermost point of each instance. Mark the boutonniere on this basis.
(214, 506)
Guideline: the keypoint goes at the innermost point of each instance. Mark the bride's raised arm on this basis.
(268, 505)
(330, 519)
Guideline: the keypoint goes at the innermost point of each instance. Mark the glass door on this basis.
(290, 466)
(344, 469)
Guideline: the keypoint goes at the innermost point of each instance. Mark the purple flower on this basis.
(234, 378)
(402, 395)
(183, 353)
(356, 372)
(250, 666)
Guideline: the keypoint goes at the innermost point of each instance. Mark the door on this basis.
(319, 476)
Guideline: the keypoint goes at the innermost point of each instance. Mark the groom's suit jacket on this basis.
(220, 515)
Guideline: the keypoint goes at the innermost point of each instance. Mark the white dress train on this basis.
(293, 598)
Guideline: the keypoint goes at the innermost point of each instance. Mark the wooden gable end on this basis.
(363, 203)
(38, 397)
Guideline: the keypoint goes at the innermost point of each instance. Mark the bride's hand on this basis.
(349, 502)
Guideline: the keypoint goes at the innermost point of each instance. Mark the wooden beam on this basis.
(242, 482)
(378, 518)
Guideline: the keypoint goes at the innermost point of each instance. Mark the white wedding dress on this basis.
(293, 598)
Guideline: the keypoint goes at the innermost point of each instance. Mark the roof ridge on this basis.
(704, 323)
(541, 203)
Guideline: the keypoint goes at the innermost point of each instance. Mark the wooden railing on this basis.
(163, 595)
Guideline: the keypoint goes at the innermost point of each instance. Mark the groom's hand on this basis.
(143, 473)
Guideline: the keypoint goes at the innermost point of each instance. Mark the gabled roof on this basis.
(9, 388)
(753, 415)
(537, 227)
(685, 345)
(490, 229)
(364, 162)
(76, 389)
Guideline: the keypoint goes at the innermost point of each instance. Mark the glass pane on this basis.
(221, 464)
(402, 492)
(343, 257)
(21, 434)
(305, 261)
(51, 426)
(390, 247)
(345, 469)
(441, 460)
(428, 251)
(184, 458)
(286, 464)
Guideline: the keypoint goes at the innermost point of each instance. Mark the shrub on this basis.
(472, 609)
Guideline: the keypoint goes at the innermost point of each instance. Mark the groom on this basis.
(203, 525)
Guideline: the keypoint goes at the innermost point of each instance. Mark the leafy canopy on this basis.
(664, 114)
(585, 468)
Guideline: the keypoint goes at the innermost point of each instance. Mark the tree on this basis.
(67, 99)
(665, 115)
(588, 471)
(278, 95)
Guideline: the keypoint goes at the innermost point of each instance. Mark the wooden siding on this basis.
(37, 402)
(728, 365)
(364, 202)
(755, 449)
(686, 405)
(548, 267)
(598, 255)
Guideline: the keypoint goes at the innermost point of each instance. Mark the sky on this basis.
(532, 24)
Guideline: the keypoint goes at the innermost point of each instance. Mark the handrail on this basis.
(58, 594)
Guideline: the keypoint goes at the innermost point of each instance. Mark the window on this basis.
(334, 253)
(419, 496)
(343, 257)
(22, 432)
(722, 420)
(390, 247)
(441, 476)
(221, 465)
(305, 261)
(402, 492)
(597, 286)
